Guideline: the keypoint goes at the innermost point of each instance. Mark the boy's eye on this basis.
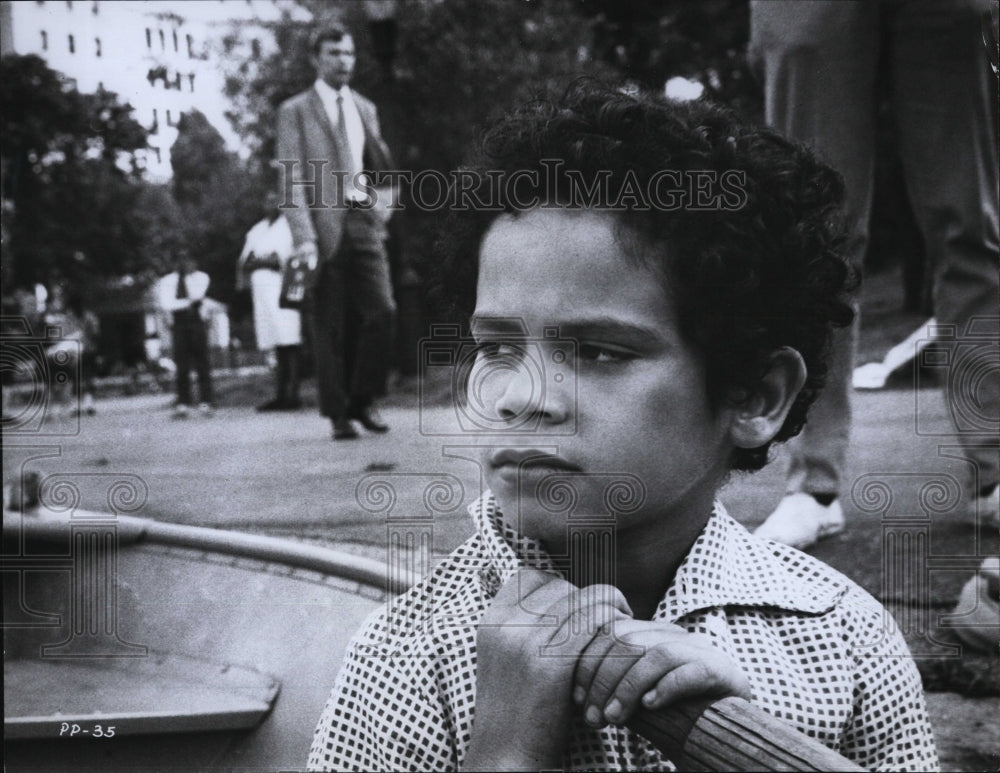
(601, 353)
(492, 348)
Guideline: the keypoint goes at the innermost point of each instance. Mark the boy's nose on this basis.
(530, 393)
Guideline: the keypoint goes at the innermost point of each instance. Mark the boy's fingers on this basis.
(588, 664)
(582, 619)
(528, 582)
(657, 668)
(643, 678)
(696, 678)
(608, 660)
(611, 610)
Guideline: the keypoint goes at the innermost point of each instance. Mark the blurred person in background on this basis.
(266, 251)
(73, 354)
(343, 238)
(179, 295)
(819, 63)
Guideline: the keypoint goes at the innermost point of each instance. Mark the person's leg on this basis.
(281, 374)
(87, 369)
(292, 356)
(182, 360)
(62, 378)
(326, 315)
(274, 403)
(199, 338)
(943, 89)
(818, 63)
(374, 309)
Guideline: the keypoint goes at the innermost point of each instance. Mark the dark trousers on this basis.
(819, 61)
(288, 372)
(191, 351)
(352, 370)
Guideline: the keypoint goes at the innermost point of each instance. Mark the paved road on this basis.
(280, 474)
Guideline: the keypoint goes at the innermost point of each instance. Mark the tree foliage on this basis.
(70, 172)
(705, 40)
(218, 196)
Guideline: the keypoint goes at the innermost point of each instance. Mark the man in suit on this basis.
(327, 136)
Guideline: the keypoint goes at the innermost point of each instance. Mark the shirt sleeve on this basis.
(250, 243)
(166, 294)
(383, 713)
(890, 729)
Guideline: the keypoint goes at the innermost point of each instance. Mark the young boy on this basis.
(679, 272)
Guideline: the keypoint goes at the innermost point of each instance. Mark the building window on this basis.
(191, 81)
(159, 157)
(177, 81)
(155, 127)
(155, 74)
(175, 40)
(149, 38)
(255, 48)
(45, 41)
(190, 45)
(170, 120)
(163, 40)
(97, 46)
(72, 45)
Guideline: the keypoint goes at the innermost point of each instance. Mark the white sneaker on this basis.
(180, 411)
(800, 521)
(979, 607)
(986, 510)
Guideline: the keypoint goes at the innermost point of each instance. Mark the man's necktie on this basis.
(182, 290)
(345, 143)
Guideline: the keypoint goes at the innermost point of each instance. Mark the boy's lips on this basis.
(514, 460)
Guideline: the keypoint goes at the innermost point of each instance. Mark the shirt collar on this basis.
(327, 92)
(726, 566)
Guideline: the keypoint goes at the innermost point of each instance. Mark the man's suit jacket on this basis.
(304, 134)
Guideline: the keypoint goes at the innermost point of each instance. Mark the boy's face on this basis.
(632, 397)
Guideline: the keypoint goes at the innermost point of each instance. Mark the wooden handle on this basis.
(732, 734)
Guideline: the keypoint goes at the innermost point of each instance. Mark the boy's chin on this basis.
(529, 519)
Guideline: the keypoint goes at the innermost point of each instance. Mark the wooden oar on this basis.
(732, 734)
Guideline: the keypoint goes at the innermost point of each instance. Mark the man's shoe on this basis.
(344, 430)
(370, 419)
(801, 521)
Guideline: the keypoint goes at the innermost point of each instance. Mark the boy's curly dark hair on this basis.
(746, 280)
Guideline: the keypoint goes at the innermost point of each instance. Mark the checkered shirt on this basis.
(820, 654)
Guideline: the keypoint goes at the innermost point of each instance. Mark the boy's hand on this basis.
(545, 645)
(654, 663)
(528, 644)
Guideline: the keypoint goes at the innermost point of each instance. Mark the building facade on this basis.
(159, 57)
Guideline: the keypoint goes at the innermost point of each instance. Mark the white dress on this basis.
(273, 325)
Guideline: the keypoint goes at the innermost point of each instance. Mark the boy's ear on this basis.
(757, 418)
